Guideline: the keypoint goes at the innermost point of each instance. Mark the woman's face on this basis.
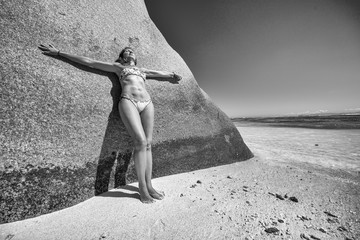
(128, 54)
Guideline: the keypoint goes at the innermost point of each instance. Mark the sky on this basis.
(268, 57)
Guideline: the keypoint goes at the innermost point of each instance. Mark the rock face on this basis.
(62, 140)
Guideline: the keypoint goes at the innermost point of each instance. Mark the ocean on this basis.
(325, 141)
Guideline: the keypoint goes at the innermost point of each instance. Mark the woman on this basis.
(135, 107)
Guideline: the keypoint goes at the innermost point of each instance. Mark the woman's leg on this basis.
(147, 119)
(132, 121)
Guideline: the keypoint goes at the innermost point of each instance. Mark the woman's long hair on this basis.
(121, 56)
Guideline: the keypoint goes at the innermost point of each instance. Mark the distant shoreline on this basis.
(336, 121)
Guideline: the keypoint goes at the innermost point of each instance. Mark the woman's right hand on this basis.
(49, 50)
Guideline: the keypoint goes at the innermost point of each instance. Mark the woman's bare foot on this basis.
(145, 196)
(146, 199)
(157, 195)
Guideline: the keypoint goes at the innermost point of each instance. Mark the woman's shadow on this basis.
(117, 143)
(126, 191)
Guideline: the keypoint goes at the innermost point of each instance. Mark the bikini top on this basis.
(132, 71)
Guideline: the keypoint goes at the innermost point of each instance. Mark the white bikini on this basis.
(140, 105)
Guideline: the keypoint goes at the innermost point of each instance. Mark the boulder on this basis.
(61, 137)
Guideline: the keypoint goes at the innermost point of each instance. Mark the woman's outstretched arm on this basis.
(162, 74)
(104, 66)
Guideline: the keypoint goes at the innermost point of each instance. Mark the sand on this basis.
(266, 197)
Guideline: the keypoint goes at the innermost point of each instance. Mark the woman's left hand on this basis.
(176, 77)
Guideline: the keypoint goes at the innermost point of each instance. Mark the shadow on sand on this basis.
(122, 192)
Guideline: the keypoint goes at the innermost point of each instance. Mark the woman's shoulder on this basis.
(118, 67)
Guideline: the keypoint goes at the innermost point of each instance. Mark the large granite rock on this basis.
(62, 140)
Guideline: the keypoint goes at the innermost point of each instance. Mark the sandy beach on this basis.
(289, 190)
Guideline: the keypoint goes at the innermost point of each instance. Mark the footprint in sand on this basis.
(157, 227)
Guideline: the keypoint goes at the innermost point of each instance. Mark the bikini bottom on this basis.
(140, 105)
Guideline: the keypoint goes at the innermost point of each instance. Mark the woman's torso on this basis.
(132, 81)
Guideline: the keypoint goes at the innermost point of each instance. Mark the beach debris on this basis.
(303, 236)
(229, 177)
(308, 226)
(322, 230)
(294, 199)
(262, 224)
(330, 214)
(198, 181)
(280, 221)
(193, 186)
(271, 230)
(342, 229)
(254, 216)
(313, 237)
(303, 218)
(316, 145)
(248, 202)
(102, 236)
(279, 196)
(10, 236)
(332, 220)
(181, 195)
